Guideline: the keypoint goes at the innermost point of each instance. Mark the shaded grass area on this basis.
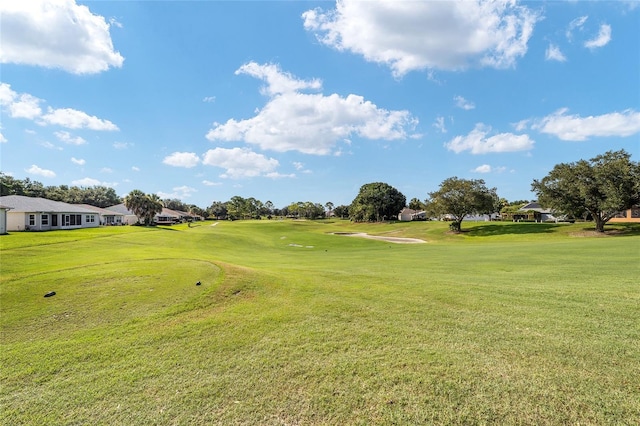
(294, 325)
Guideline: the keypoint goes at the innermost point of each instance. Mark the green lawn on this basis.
(505, 323)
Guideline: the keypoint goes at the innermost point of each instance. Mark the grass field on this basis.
(293, 325)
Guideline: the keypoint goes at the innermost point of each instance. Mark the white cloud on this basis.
(78, 161)
(74, 119)
(439, 124)
(56, 34)
(49, 145)
(7, 94)
(24, 105)
(553, 53)
(88, 182)
(135, 169)
(576, 128)
(67, 138)
(576, 23)
(521, 125)
(182, 159)
(21, 105)
(463, 103)
(27, 106)
(418, 35)
(300, 167)
(209, 183)
(477, 142)
(3, 139)
(277, 81)
(602, 39)
(106, 170)
(122, 145)
(276, 175)
(35, 170)
(113, 22)
(309, 123)
(240, 162)
(179, 192)
(209, 99)
(485, 168)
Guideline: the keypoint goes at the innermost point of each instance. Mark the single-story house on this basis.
(3, 219)
(631, 215)
(128, 218)
(107, 217)
(169, 217)
(40, 214)
(481, 217)
(531, 212)
(408, 214)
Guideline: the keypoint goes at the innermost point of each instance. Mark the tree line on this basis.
(599, 188)
(98, 196)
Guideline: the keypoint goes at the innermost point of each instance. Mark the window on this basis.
(90, 218)
(71, 219)
(54, 220)
(44, 220)
(32, 220)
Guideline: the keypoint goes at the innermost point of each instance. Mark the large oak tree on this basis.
(602, 187)
(462, 197)
(375, 202)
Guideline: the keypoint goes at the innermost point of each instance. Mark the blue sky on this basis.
(307, 101)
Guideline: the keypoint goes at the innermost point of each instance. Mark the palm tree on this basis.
(144, 206)
(153, 206)
(134, 202)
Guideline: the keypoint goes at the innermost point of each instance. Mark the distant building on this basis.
(3, 219)
(39, 214)
(530, 212)
(631, 215)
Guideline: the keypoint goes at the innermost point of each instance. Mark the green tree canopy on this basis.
(99, 196)
(416, 204)
(602, 187)
(376, 202)
(462, 197)
(218, 209)
(144, 206)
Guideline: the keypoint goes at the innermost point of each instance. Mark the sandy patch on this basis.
(396, 240)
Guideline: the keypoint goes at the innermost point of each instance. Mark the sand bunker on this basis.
(396, 240)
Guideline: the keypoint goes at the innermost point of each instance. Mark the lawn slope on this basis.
(293, 324)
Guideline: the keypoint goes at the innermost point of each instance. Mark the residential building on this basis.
(631, 215)
(40, 214)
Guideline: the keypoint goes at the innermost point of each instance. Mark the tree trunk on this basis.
(599, 222)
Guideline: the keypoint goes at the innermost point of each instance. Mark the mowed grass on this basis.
(504, 324)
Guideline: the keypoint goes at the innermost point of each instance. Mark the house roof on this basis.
(103, 212)
(121, 209)
(407, 210)
(171, 213)
(535, 207)
(20, 203)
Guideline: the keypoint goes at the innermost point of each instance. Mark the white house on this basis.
(128, 218)
(40, 214)
(408, 214)
(3, 219)
(107, 217)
